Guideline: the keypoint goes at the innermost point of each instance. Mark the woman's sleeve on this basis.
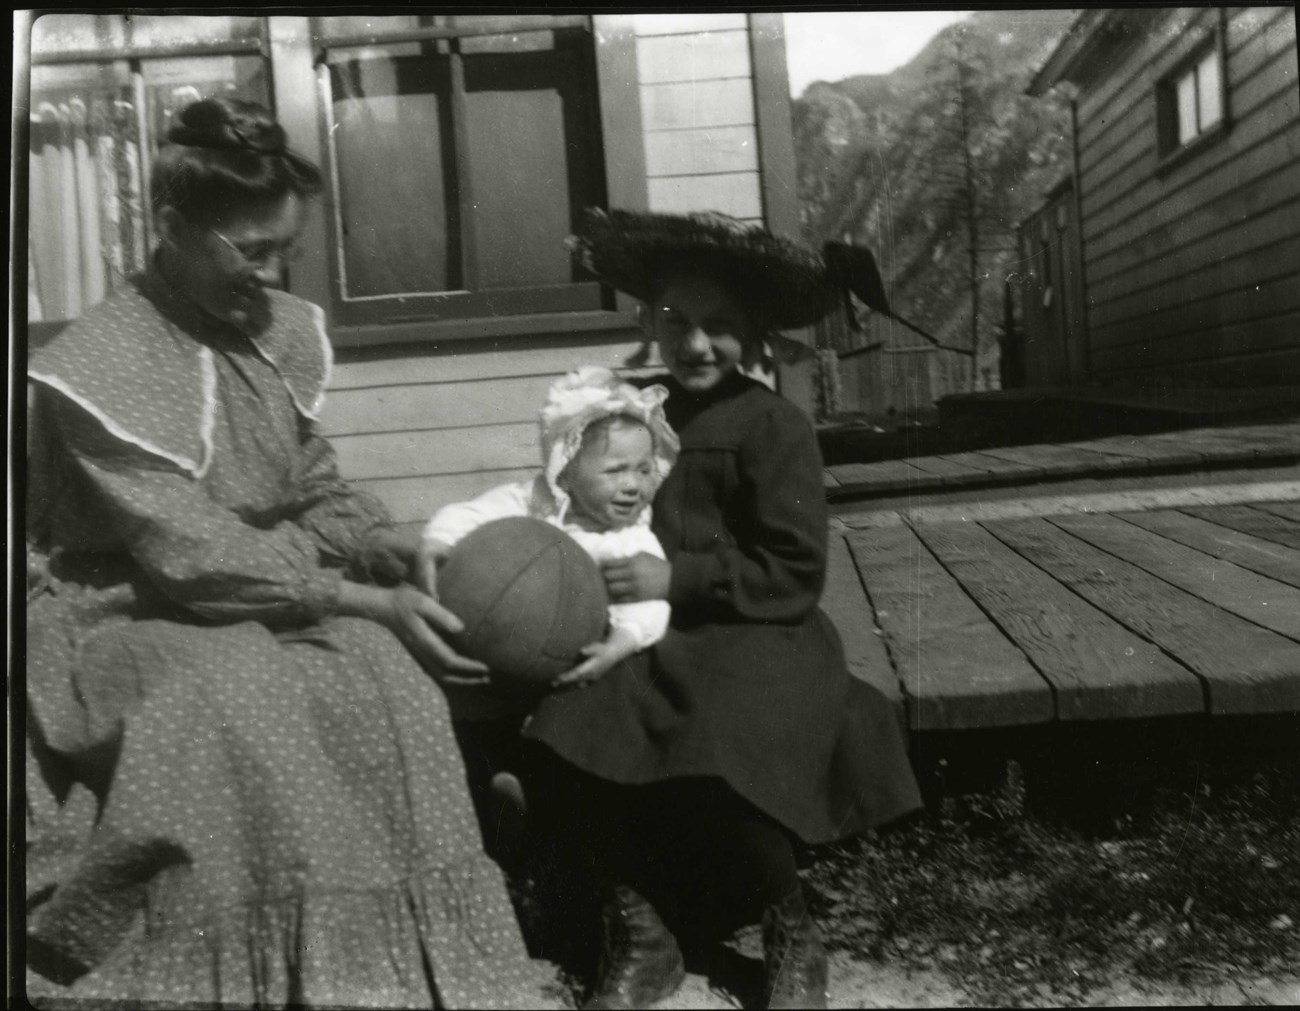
(333, 512)
(772, 566)
(197, 553)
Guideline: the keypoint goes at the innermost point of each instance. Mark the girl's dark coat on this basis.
(750, 683)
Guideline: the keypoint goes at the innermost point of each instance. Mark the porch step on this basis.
(1194, 451)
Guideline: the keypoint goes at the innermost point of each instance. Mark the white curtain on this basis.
(86, 224)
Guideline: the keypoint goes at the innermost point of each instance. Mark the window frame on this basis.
(1170, 151)
(467, 304)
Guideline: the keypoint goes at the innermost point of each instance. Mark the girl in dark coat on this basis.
(693, 772)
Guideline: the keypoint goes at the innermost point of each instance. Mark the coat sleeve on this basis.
(199, 554)
(646, 620)
(335, 514)
(770, 564)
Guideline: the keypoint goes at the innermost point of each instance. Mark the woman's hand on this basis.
(641, 577)
(417, 620)
(390, 556)
(601, 657)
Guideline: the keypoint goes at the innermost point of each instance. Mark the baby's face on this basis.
(611, 480)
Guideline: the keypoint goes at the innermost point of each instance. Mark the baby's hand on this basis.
(601, 658)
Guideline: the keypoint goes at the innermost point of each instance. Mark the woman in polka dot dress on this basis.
(279, 812)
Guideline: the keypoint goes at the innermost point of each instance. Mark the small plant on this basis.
(1021, 911)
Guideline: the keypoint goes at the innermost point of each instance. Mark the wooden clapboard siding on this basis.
(1252, 285)
(734, 193)
(696, 75)
(421, 453)
(414, 499)
(1257, 142)
(427, 406)
(1184, 238)
(1118, 170)
(1193, 269)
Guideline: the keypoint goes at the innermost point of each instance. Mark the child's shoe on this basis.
(794, 963)
(507, 789)
(641, 962)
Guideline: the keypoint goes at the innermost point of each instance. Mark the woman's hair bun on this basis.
(228, 124)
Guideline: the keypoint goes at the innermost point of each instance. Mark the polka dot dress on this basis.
(284, 815)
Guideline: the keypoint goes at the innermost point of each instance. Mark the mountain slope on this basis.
(948, 148)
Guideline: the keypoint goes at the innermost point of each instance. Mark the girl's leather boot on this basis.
(794, 963)
(640, 963)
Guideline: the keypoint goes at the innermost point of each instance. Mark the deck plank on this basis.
(1145, 452)
(1287, 510)
(884, 475)
(992, 464)
(1050, 459)
(1231, 445)
(1246, 669)
(1098, 668)
(957, 670)
(1260, 524)
(954, 474)
(1229, 587)
(1265, 557)
(845, 603)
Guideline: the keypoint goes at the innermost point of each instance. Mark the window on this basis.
(1191, 102)
(461, 150)
(103, 91)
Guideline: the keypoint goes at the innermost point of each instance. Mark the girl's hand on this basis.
(641, 577)
(417, 620)
(601, 658)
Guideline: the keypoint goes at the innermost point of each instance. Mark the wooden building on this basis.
(460, 151)
(1171, 258)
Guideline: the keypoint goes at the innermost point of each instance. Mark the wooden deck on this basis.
(1157, 602)
(1075, 617)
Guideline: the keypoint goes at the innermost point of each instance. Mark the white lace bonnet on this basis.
(588, 395)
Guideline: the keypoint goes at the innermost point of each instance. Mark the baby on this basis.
(606, 448)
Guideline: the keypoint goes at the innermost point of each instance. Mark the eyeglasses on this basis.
(263, 252)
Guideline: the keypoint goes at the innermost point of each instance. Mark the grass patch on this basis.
(1023, 909)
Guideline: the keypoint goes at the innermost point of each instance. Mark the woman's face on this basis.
(225, 268)
(702, 332)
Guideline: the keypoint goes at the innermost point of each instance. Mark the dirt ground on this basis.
(864, 984)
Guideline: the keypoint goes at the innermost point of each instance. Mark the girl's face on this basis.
(225, 268)
(703, 333)
(611, 480)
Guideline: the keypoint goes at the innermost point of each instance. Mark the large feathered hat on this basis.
(787, 284)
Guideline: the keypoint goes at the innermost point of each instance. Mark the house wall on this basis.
(698, 113)
(1193, 274)
(421, 421)
(1051, 293)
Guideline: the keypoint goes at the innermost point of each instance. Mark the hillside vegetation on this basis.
(917, 163)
